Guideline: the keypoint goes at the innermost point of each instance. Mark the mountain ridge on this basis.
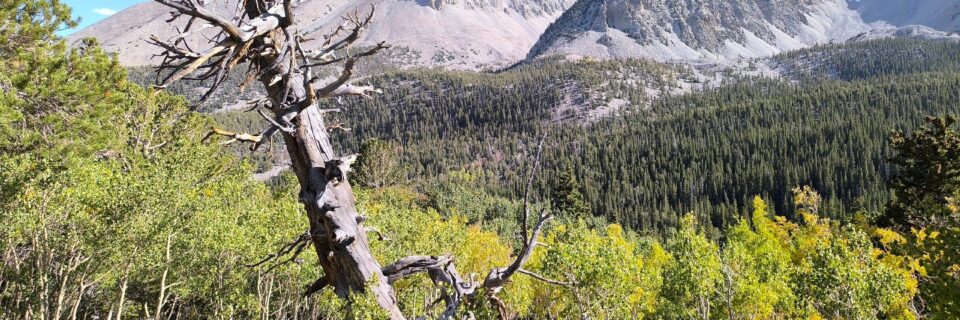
(492, 34)
(472, 35)
(701, 30)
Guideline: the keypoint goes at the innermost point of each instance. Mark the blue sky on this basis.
(92, 11)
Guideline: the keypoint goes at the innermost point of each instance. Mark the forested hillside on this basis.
(761, 199)
(868, 59)
(705, 152)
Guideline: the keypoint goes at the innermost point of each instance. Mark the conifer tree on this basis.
(567, 197)
(927, 208)
(378, 164)
(928, 174)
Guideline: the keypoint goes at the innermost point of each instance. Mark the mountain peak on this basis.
(458, 34)
(672, 30)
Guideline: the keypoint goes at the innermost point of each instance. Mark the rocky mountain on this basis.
(694, 30)
(909, 31)
(486, 34)
(458, 34)
(936, 14)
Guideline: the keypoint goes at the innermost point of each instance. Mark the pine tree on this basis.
(567, 197)
(928, 174)
(378, 165)
(926, 207)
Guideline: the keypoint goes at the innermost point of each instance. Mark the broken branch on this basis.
(241, 137)
(196, 10)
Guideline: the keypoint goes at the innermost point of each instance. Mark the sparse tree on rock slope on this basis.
(264, 35)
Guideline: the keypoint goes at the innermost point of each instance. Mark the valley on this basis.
(651, 142)
(481, 159)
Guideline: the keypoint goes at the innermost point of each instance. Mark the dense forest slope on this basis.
(867, 59)
(825, 124)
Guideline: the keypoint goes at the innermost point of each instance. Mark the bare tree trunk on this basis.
(728, 290)
(162, 296)
(84, 285)
(123, 292)
(264, 34)
(63, 274)
(123, 297)
(341, 247)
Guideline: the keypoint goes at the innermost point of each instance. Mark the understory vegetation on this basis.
(757, 200)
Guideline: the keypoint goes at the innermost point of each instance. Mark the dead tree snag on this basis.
(264, 35)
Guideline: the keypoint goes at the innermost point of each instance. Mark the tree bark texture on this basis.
(337, 236)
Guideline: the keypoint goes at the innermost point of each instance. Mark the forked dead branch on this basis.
(263, 35)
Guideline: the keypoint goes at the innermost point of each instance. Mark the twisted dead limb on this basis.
(195, 9)
(232, 45)
(443, 272)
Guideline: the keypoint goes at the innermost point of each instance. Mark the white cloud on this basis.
(105, 11)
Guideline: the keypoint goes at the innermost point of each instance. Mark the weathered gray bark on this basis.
(268, 40)
(342, 249)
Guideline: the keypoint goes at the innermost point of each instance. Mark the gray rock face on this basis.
(672, 30)
(936, 14)
(911, 31)
(480, 34)
(527, 8)
(703, 23)
(458, 34)
(696, 29)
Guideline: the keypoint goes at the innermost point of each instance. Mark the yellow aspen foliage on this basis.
(888, 237)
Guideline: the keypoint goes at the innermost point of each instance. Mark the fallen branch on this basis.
(338, 126)
(235, 137)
